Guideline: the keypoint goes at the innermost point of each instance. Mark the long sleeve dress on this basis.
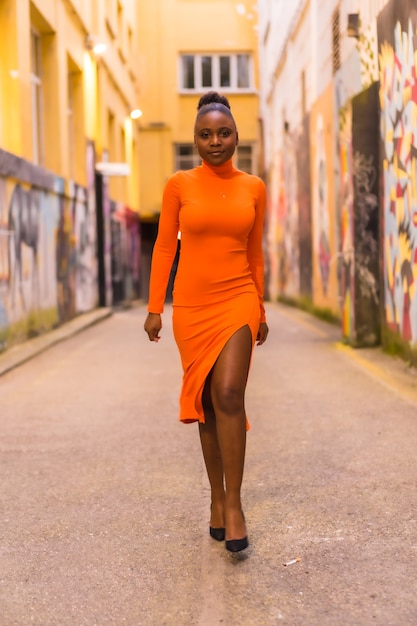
(218, 287)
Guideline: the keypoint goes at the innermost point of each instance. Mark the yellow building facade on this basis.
(186, 48)
(57, 93)
(69, 232)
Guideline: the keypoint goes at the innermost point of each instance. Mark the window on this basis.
(186, 157)
(216, 71)
(244, 157)
(36, 97)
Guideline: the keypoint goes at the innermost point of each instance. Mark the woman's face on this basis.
(216, 137)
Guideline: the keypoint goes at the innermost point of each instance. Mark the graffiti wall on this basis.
(272, 236)
(365, 165)
(347, 83)
(283, 223)
(346, 260)
(125, 253)
(325, 244)
(397, 41)
(304, 210)
(47, 250)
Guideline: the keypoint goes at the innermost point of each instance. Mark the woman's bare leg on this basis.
(227, 389)
(212, 459)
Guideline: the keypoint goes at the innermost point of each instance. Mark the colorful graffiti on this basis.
(321, 215)
(283, 223)
(398, 101)
(347, 256)
(304, 209)
(27, 280)
(75, 254)
(125, 253)
(47, 251)
(323, 185)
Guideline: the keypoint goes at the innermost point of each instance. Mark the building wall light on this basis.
(136, 114)
(97, 47)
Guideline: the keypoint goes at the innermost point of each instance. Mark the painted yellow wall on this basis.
(166, 29)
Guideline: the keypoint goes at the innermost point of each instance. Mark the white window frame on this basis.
(198, 86)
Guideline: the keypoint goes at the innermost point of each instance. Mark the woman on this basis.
(218, 311)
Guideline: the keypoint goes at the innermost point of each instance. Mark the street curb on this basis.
(392, 372)
(389, 374)
(21, 353)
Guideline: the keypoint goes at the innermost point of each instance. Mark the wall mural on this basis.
(347, 83)
(274, 182)
(321, 208)
(47, 250)
(347, 253)
(283, 262)
(304, 209)
(325, 243)
(398, 101)
(365, 153)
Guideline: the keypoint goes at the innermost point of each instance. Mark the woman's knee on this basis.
(229, 399)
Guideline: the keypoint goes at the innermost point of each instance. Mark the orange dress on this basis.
(218, 287)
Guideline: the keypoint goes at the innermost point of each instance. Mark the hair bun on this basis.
(213, 97)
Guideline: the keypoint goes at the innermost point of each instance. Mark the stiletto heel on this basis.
(218, 533)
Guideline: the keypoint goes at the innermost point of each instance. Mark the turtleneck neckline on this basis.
(219, 170)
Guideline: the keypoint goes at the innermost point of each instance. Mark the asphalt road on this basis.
(104, 504)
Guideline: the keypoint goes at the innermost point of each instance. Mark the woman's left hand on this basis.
(262, 333)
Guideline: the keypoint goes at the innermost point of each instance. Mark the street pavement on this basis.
(104, 502)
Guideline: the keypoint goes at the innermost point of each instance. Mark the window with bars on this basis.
(231, 72)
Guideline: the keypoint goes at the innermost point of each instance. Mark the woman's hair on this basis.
(213, 101)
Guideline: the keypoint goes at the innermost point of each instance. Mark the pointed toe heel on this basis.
(217, 533)
(237, 545)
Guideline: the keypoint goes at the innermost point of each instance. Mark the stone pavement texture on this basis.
(105, 504)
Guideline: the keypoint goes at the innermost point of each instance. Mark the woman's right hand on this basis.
(153, 325)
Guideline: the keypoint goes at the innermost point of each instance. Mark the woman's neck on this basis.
(219, 170)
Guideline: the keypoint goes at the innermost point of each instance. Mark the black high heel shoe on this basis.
(218, 534)
(237, 545)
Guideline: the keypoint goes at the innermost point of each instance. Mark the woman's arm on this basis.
(165, 246)
(255, 249)
(162, 257)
